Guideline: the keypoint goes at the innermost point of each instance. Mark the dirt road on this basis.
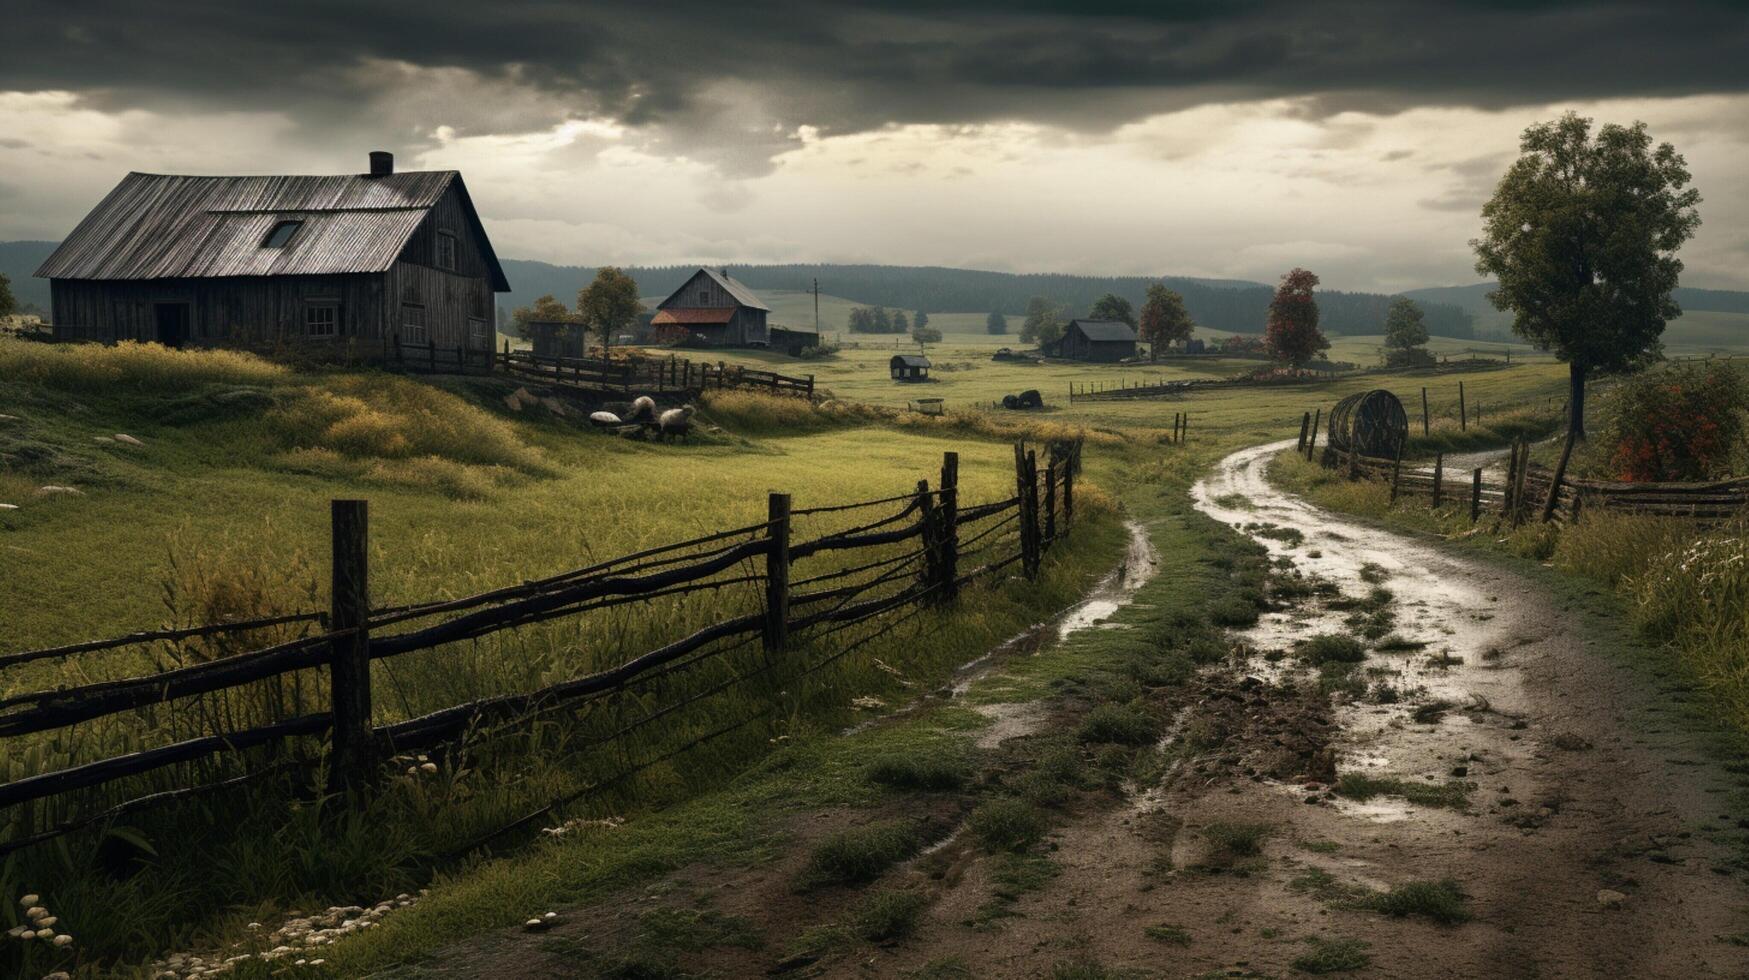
(1496, 769)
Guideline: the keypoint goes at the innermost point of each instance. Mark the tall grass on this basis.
(274, 845)
(132, 366)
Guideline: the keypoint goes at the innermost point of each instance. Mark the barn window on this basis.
(322, 320)
(282, 234)
(445, 251)
(704, 296)
(477, 332)
(413, 325)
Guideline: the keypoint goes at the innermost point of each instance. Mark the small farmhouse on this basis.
(1096, 340)
(909, 367)
(712, 310)
(278, 262)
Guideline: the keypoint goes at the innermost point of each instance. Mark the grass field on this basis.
(221, 506)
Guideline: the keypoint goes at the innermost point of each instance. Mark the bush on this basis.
(860, 854)
(1120, 724)
(1681, 423)
(917, 771)
(1441, 901)
(1007, 824)
(889, 915)
(1332, 648)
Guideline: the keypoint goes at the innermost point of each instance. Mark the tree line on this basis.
(1233, 305)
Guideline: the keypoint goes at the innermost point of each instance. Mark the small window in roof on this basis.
(281, 235)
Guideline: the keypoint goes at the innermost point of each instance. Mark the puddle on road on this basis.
(1440, 602)
(1111, 593)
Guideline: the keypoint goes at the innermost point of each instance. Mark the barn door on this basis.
(172, 324)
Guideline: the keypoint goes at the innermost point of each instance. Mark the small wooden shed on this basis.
(909, 367)
(1372, 423)
(557, 338)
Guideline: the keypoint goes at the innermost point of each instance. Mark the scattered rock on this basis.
(1571, 742)
(53, 490)
(130, 440)
(1609, 898)
(8, 506)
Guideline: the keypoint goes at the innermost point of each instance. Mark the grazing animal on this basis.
(643, 409)
(676, 422)
(604, 418)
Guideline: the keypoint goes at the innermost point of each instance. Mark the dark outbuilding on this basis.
(353, 261)
(909, 367)
(1096, 340)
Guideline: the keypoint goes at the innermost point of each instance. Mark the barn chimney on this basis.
(382, 163)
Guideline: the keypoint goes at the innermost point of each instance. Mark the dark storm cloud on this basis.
(851, 67)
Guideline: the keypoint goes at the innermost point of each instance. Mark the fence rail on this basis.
(1532, 491)
(639, 374)
(937, 536)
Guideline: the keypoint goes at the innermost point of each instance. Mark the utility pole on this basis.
(816, 306)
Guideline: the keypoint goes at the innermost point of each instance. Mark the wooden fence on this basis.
(942, 544)
(639, 375)
(1532, 491)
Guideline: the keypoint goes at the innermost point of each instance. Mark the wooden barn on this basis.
(712, 310)
(909, 367)
(1096, 340)
(278, 262)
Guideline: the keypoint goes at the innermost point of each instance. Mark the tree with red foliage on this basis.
(1292, 334)
(1682, 423)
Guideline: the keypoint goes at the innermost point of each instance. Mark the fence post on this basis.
(1032, 508)
(1424, 421)
(431, 355)
(1027, 516)
(1184, 429)
(1050, 535)
(351, 761)
(1312, 441)
(1438, 478)
(1396, 468)
(1305, 423)
(1463, 412)
(930, 519)
(1511, 481)
(1555, 484)
(1069, 491)
(949, 517)
(777, 572)
(1518, 489)
(1475, 494)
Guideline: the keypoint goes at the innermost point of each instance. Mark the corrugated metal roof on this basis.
(719, 314)
(1104, 330)
(738, 289)
(909, 360)
(734, 287)
(168, 226)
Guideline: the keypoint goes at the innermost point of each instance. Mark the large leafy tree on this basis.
(1405, 334)
(996, 323)
(920, 319)
(900, 322)
(609, 304)
(1164, 319)
(1111, 306)
(1044, 321)
(1581, 235)
(1292, 333)
(545, 308)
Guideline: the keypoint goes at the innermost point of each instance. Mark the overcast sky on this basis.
(1214, 138)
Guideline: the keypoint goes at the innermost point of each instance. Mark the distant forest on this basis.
(1225, 304)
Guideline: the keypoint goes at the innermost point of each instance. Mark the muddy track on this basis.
(1586, 843)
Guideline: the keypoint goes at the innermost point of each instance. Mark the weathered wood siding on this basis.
(449, 301)
(247, 311)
